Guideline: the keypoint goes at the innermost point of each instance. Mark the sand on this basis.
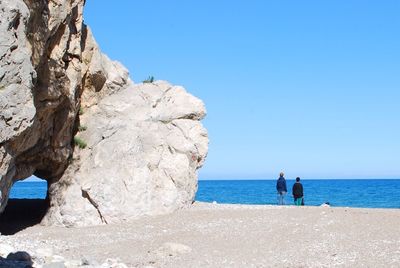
(214, 235)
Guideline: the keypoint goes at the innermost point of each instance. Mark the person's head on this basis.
(281, 174)
(297, 179)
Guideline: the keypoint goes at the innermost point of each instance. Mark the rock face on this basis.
(144, 142)
(144, 145)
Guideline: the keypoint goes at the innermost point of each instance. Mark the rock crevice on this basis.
(86, 195)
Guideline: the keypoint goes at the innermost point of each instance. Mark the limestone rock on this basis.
(20, 256)
(141, 158)
(102, 76)
(145, 141)
(45, 65)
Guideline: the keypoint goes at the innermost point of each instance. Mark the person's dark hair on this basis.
(298, 179)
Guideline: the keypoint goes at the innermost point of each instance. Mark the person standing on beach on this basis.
(297, 192)
(281, 188)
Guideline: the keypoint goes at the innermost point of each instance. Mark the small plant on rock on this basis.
(81, 111)
(82, 128)
(80, 142)
(149, 80)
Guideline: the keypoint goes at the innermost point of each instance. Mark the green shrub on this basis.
(149, 80)
(80, 142)
(82, 128)
(81, 111)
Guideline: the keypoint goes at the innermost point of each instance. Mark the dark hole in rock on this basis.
(26, 207)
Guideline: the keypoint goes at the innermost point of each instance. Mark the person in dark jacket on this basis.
(297, 192)
(281, 189)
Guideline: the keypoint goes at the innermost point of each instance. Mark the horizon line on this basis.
(269, 179)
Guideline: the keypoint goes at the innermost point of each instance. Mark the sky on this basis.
(311, 88)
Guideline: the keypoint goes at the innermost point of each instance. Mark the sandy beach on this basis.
(216, 235)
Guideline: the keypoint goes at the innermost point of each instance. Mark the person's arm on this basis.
(285, 185)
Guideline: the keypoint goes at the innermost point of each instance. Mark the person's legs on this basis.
(283, 198)
(298, 201)
(279, 197)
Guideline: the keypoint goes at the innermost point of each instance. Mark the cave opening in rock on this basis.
(27, 204)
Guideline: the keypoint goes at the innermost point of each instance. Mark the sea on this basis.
(371, 193)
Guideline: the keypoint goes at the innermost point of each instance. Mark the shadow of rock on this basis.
(22, 213)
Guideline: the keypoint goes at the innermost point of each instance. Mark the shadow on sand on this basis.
(22, 213)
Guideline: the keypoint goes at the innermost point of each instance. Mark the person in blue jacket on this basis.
(281, 188)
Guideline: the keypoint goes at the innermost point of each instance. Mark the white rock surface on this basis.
(141, 157)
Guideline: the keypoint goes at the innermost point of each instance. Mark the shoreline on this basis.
(226, 235)
(234, 204)
(250, 206)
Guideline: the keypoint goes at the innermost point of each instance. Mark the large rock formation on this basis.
(144, 145)
(144, 142)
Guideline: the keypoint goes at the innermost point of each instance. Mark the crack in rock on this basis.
(158, 101)
(86, 195)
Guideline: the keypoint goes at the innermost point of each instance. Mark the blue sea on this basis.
(29, 190)
(377, 193)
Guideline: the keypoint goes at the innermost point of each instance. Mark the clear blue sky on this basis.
(308, 87)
